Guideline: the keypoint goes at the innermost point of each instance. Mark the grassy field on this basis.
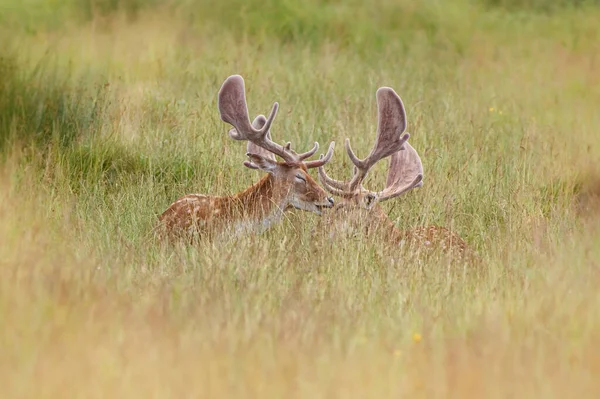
(108, 114)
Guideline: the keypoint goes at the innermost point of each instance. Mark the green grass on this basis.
(108, 114)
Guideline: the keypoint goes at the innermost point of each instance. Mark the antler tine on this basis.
(389, 140)
(336, 191)
(256, 132)
(252, 148)
(234, 110)
(322, 159)
(265, 129)
(360, 164)
(328, 181)
(309, 153)
(360, 170)
(333, 186)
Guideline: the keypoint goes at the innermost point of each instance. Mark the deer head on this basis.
(291, 178)
(405, 170)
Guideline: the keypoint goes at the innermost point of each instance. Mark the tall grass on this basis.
(108, 113)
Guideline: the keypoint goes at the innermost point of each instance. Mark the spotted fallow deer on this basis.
(286, 185)
(359, 208)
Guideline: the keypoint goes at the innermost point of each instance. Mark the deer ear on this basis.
(263, 163)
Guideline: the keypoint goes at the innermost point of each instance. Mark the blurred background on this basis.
(108, 114)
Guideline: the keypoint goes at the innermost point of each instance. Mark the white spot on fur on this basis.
(258, 226)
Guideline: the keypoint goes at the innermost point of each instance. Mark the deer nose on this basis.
(330, 199)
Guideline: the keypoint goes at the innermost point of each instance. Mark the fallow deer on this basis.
(359, 208)
(286, 185)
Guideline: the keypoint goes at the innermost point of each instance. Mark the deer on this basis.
(286, 184)
(359, 208)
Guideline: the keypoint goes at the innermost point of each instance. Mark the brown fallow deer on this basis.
(286, 185)
(359, 208)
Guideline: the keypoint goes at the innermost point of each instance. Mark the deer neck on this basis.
(380, 225)
(258, 207)
(372, 222)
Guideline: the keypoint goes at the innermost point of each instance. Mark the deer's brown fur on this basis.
(349, 218)
(253, 209)
(358, 209)
(286, 185)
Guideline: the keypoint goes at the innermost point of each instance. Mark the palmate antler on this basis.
(405, 170)
(234, 110)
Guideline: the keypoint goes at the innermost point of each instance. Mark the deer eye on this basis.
(300, 177)
(370, 200)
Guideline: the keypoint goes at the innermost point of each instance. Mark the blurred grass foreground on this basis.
(108, 114)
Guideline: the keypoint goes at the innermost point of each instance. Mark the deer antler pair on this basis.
(234, 110)
(405, 170)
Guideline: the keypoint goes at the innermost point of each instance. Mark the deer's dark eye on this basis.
(370, 200)
(300, 177)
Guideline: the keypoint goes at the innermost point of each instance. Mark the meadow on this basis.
(108, 114)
